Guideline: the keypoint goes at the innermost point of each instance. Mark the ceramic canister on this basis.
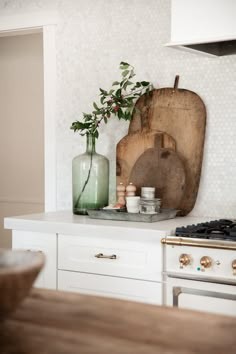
(148, 192)
(132, 204)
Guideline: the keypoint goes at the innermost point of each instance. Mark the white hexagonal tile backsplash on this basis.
(92, 37)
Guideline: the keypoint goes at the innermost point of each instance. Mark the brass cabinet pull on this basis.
(101, 255)
(234, 266)
(33, 250)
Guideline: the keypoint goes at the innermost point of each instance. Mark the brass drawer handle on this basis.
(34, 250)
(101, 255)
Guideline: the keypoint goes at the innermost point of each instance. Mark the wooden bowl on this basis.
(18, 271)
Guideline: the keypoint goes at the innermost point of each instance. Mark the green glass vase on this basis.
(90, 179)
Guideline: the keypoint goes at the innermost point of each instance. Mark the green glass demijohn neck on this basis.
(91, 144)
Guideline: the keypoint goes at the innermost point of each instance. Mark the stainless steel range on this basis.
(200, 267)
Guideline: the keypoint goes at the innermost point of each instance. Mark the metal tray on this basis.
(117, 214)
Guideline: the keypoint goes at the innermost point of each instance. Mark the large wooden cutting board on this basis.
(181, 116)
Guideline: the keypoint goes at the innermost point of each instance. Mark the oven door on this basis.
(201, 295)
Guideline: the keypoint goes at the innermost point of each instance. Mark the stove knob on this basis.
(205, 263)
(184, 260)
(234, 266)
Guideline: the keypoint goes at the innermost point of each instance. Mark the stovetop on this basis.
(221, 229)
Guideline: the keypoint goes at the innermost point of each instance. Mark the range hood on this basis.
(204, 26)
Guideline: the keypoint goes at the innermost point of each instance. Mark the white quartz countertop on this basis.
(66, 222)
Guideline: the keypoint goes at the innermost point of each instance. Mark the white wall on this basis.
(92, 37)
(21, 133)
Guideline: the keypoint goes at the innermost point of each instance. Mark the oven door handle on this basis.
(177, 290)
(204, 279)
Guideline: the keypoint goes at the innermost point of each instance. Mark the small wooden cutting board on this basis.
(165, 172)
(133, 145)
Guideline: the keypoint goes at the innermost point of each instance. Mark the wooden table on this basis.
(58, 322)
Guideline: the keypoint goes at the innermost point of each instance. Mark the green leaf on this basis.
(105, 120)
(120, 113)
(130, 99)
(79, 126)
(125, 73)
(115, 83)
(127, 83)
(128, 115)
(132, 74)
(124, 66)
(103, 92)
(95, 106)
(87, 117)
(118, 93)
(144, 83)
(97, 113)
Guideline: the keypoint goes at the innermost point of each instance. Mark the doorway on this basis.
(22, 165)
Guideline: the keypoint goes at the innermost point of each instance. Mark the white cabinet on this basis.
(101, 257)
(43, 242)
(207, 26)
(117, 287)
(93, 262)
(102, 266)
(193, 20)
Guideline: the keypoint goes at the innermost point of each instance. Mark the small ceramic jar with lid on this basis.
(148, 192)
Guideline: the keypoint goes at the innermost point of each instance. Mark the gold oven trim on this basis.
(178, 241)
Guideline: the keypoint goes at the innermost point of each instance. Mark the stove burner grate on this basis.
(222, 229)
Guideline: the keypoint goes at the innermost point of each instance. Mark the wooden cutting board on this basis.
(181, 116)
(133, 145)
(165, 172)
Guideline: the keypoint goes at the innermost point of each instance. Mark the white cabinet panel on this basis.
(131, 259)
(193, 20)
(122, 288)
(45, 242)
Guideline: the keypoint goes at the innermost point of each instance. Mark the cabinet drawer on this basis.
(129, 289)
(138, 260)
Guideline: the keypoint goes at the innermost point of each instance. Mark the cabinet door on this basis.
(46, 243)
(121, 288)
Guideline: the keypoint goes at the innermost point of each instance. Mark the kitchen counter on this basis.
(67, 223)
(64, 323)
